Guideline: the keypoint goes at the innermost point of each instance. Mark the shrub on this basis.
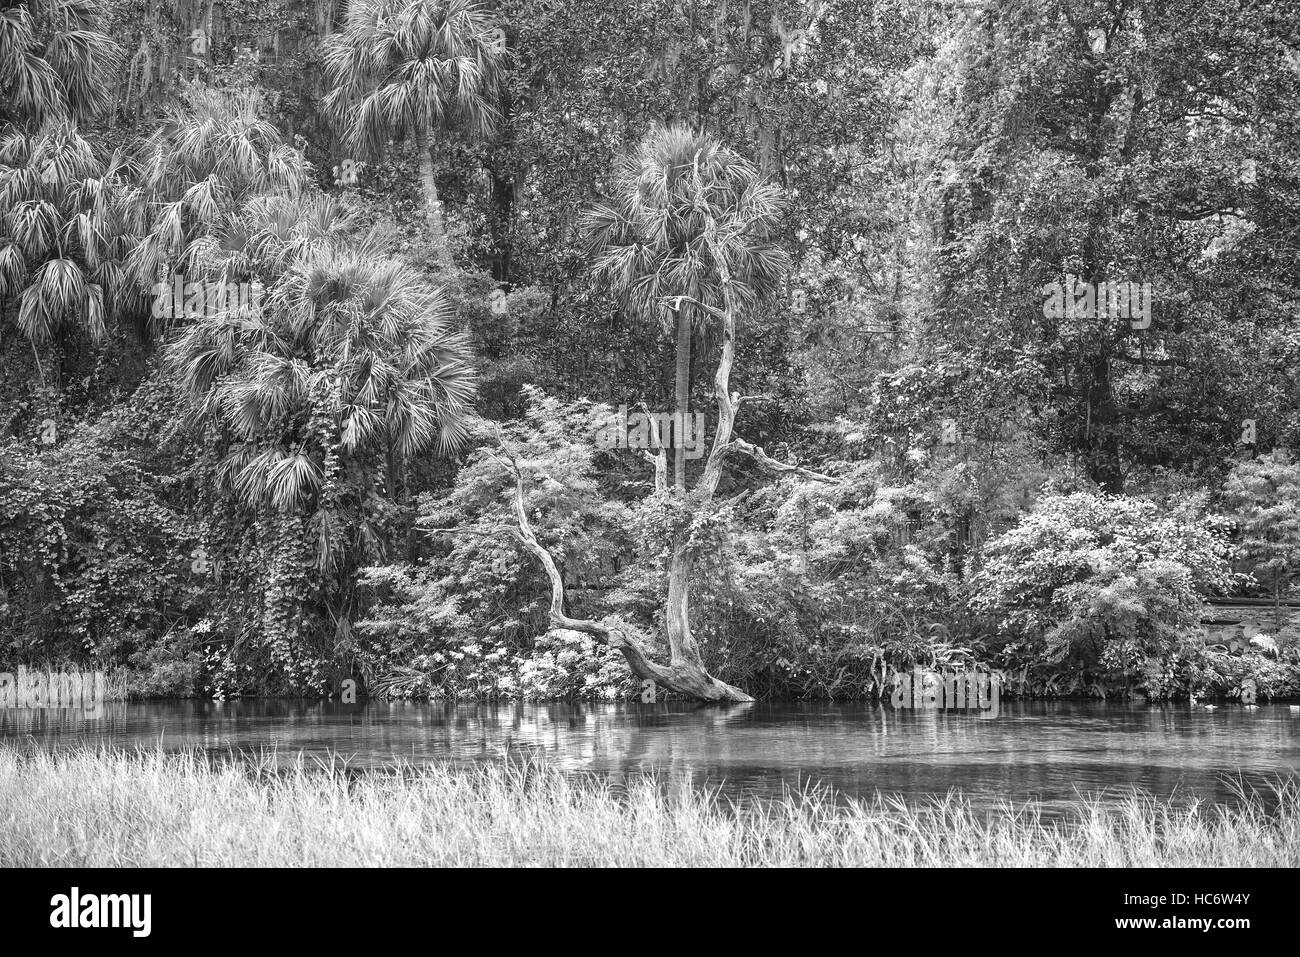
(1104, 588)
(94, 557)
(468, 617)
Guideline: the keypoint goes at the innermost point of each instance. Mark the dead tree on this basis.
(685, 673)
(682, 675)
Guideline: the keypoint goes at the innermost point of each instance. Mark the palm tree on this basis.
(402, 68)
(213, 151)
(54, 63)
(63, 229)
(348, 367)
(350, 360)
(64, 232)
(650, 244)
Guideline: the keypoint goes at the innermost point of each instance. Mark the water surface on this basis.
(1050, 751)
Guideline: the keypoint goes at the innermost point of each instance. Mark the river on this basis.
(1048, 751)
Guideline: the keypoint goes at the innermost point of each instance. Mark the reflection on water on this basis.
(1047, 750)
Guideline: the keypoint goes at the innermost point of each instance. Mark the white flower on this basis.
(1265, 643)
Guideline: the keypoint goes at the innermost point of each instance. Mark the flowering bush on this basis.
(570, 664)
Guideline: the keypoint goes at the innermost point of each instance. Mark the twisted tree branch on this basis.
(682, 678)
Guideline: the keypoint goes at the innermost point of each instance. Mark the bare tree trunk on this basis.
(682, 645)
(432, 205)
(680, 677)
(659, 457)
(681, 642)
(685, 673)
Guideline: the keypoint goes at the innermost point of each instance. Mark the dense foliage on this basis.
(293, 295)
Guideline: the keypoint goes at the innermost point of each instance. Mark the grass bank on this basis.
(87, 808)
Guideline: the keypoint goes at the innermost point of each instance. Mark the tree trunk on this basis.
(1102, 430)
(681, 642)
(432, 206)
(393, 475)
(503, 198)
(682, 393)
(659, 457)
(679, 676)
(685, 673)
(684, 649)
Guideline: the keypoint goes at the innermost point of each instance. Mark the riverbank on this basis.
(85, 808)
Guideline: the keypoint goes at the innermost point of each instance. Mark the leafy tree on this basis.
(1109, 587)
(1128, 142)
(730, 220)
(466, 618)
(1262, 496)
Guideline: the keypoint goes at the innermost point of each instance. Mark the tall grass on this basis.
(88, 808)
